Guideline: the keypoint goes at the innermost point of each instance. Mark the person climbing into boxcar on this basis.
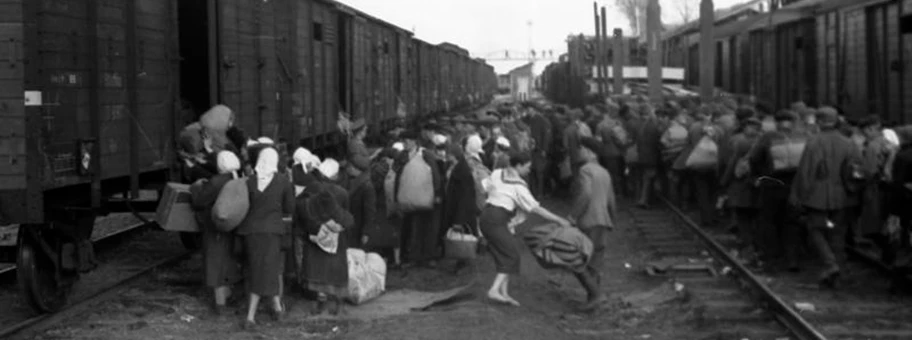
(263, 229)
(773, 162)
(418, 191)
(739, 186)
(220, 267)
(828, 174)
(594, 210)
(320, 212)
(509, 199)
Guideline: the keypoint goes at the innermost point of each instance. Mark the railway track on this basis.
(137, 252)
(736, 301)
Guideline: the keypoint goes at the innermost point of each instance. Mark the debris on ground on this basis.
(662, 294)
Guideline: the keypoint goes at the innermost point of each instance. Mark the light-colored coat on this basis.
(595, 205)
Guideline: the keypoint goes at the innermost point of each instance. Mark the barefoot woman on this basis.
(507, 193)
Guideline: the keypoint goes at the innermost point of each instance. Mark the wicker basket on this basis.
(460, 246)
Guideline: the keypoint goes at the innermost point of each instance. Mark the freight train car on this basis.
(92, 93)
(847, 53)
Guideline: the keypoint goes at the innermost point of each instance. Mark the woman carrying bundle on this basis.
(271, 199)
(507, 193)
(220, 267)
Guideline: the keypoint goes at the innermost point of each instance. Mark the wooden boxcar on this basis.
(93, 92)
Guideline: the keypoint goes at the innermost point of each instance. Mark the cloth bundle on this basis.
(558, 247)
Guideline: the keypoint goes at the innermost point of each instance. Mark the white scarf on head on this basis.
(266, 167)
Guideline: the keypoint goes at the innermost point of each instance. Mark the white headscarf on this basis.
(329, 168)
(227, 162)
(891, 136)
(301, 156)
(473, 146)
(398, 146)
(266, 167)
(265, 140)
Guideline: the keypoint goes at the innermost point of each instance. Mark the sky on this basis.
(488, 27)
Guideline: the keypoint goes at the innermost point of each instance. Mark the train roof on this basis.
(787, 14)
(353, 11)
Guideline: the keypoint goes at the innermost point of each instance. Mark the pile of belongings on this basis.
(558, 247)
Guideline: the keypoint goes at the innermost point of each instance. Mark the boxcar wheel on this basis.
(37, 278)
(192, 241)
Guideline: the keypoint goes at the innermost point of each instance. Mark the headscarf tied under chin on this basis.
(227, 162)
(266, 168)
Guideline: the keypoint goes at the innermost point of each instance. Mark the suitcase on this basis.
(175, 212)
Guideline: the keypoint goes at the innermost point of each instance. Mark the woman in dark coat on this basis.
(271, 199)
(220, 267)
(325, 272)
(362, 201)
(460, 208)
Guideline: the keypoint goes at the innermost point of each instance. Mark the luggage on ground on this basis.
(366, 276)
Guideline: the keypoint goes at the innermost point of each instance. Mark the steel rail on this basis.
(784, 314)
(95, 297)
(101, 239)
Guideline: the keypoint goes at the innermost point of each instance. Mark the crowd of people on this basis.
(794, 179)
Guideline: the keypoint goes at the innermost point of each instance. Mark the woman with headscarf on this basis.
(220, 267)
(271, 200)
(509, 199)
(460, 210)
(321, 213)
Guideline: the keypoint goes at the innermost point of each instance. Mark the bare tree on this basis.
(687, 9)
(632, 9)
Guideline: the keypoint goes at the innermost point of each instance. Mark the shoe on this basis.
(248, 325)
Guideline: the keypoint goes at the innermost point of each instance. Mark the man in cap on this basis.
(738, 185)
(774, 163)
(594, 210)
(420, 228)
(825, 186)
(540, 131)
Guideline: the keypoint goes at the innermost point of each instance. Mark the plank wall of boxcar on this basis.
(134, 110)
(795, 73)
(326, 100)
(884, 82)
(412, 73)
(692, 74)
(763, 66)
(743, 74)
(14, 146)
(904, 62)
(828, 58)
(288, 84)
(303, 111)
(723, 64)
(388, 84)
(360, 67)
(855, 63)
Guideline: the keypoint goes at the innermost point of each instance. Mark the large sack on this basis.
(416, 186)
(232, 205)
(705, 155)
(558, 247)
(366, 276)
(216, 119)
(787, 154)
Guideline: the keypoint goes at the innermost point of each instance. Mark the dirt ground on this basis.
(172, 305)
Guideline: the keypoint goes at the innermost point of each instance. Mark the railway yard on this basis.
(664, 280)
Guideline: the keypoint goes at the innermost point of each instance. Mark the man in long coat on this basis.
(827, 180)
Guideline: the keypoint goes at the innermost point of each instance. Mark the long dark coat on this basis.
(323, 272)
(821, 182)
(219, 263)
(459, 203)
(362, 203)
(740, 191)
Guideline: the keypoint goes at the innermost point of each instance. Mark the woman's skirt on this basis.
(501, 243)
(221, 267)
(324, 272)
(265, 263)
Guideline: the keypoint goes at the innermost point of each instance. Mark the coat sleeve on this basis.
(584, 195)
(370, 205)
(206, 196)
(288, 199)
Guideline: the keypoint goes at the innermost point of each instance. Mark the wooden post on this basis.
(617, 58)
(654, 56)
(707, 57)
(597, 51)
(603, 61)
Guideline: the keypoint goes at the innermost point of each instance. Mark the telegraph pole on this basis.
(654, 61)
(707, 57)
(597, 48)
(617, 61)
(603, 48)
